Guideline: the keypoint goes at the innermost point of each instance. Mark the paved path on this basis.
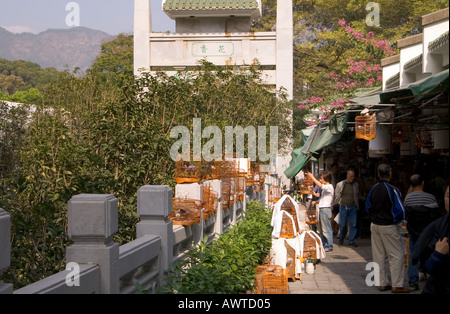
(342, 271)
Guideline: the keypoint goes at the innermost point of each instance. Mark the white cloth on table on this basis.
(320, 251)
(277, 217)
(278, 252)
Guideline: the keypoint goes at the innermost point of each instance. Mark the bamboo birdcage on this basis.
(287, 230)
(240, 188)
(307, 186)
(424, 138)
(274, 193)
(289, 207)
(271, 279)
(188, 171)
(226, 194)
(365, 126)
(210, 200)
(216, 169)
(311, 216)
(310, 246)
(253, 177)
(185, 211)
(290, 261)
(400, 133)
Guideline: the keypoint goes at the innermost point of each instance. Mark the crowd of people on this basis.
(342, 203)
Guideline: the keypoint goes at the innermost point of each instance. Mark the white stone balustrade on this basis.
(141, 265)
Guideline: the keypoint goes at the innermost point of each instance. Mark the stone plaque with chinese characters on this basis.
(212, 49)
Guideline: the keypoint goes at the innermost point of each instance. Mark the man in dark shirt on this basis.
(421, 209)
(386, 238)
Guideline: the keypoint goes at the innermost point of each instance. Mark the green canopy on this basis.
(297, 165)
(424, 88)
(315, 143)
(331, 134)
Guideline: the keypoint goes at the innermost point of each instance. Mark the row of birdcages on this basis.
(235, 174)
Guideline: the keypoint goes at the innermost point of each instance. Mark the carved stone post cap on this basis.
(154, 200)
(92, 216)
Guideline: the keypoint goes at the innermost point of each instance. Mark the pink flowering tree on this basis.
(365, 73)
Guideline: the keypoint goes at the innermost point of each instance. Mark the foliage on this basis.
(228, 264)
(22, 75)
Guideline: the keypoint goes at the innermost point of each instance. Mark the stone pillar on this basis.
(285, 74)
(93, 221)
(5, 249)
(154, 205)
(142, 30)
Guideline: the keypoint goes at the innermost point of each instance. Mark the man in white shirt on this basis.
(325, 207)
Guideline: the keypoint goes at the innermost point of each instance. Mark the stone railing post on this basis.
(154, 205)
(5, 249)
(93, 221)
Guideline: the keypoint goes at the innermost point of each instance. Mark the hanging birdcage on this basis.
(311, 216)
(307, 185)
(424, 138)
(365, 125)
(400, 133)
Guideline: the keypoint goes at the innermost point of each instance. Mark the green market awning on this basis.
(333, 133)
(297, 164)
(420, 90)
(315, 143)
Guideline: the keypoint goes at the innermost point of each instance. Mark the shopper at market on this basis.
(421, 209)
(325, 208)
(346, 195)
(432, 252)
(386, 211)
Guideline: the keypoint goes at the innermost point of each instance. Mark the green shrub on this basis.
(227, 265)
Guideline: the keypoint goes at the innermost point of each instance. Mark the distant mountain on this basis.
(58, 48)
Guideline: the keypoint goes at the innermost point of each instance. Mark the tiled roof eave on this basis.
(413, 62)
(393, 79)
(438, 42)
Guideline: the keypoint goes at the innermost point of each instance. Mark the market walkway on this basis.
(342, 271)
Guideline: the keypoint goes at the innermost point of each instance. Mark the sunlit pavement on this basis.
(342, 271)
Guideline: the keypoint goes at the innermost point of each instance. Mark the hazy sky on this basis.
(110, 16)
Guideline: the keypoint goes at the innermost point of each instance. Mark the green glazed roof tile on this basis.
(209, 4)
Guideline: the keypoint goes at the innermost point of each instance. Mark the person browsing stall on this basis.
(346, 195)
(325, 208)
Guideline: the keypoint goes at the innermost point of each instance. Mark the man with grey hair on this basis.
(386, 212)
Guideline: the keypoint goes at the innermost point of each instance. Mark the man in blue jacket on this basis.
(386, 211)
